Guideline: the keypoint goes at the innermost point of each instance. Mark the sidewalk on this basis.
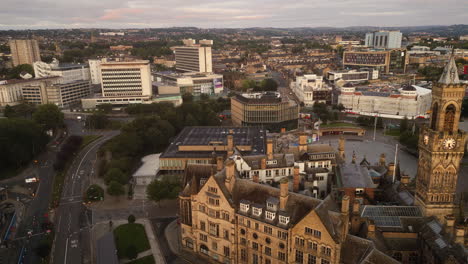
(172, 233)
(157, 254)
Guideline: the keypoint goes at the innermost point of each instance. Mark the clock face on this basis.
(426, 139)
(449, 143)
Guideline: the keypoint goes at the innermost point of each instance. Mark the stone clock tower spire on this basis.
(441, 147)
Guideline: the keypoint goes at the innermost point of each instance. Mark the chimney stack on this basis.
(356, 207)
(219, 163)
(263, 164)
(449, 224)
(370, 229)
(269, 149)
(296, 179)
(230, 175)
(230, 144)
(460, 234)
(341, 147)
(284, 193)
(302, 142)
(345, 205)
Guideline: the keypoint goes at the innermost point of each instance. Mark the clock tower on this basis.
(441, 147)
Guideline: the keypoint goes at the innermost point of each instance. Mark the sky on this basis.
(43, 14)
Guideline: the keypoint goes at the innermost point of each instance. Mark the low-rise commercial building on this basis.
(310, 89)
(267, 109)
(197, 145)
(68, 71)
(353, 75)
(192, 83)
(385, 61)
(411, 101)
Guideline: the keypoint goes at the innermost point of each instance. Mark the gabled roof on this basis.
(356, 250)
(450, 74)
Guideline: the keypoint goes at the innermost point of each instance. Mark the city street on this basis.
(71, 244)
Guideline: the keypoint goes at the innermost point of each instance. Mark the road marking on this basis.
(66, 251)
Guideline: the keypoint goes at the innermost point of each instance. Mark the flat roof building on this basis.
(385, 61)
(267, 109)
(197, 145)
(310, 89)
(388, 101)
(194, 57)
(126, 79)
(384, 39)
(192, 83)
(24, 51)
(69, 72)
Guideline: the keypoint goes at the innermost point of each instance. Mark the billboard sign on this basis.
(218, 83)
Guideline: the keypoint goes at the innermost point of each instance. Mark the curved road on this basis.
(72, 222)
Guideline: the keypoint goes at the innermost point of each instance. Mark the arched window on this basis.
(449, 118)
(204, 249)
(435, 112)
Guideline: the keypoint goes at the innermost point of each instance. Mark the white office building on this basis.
(387, 101)
(192, 83)
(310, 89)
(353, 75)
(194, 57)
(95, 71)
(69, 72)
(129, 78)
(384, 39)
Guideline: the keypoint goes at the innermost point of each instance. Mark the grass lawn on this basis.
(130, 234)
(339, 124)
(144, 260)
(88, 139)
(393, 132)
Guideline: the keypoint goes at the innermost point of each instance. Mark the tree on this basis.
(267, 85)
(16, 71)
(379, 122)
(43, 249)
(190, 120)
(248, 84)
(166, 188)
(187, 98)
(97, 121)
(115, 189)
(20, 141)
(115, 174)
(131, 252)
(105, 108)
(131, 219)
(48, 115)
(404, 125)
(94, 193)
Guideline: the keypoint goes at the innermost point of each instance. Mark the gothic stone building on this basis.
(441, 147)
(226, 219)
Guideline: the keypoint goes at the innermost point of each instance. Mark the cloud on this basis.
(117, 14)
(230, 13)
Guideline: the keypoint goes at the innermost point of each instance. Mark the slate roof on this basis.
(356, 250)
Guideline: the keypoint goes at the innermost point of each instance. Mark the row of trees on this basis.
(67, 151)
(264, 85)
(23, 133)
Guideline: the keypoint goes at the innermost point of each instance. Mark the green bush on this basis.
(115, 189)
(115, 174)
(131, 252)
(131, 219)
(94, 193)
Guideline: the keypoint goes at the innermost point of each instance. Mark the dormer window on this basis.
(257, 211)
(284, 219)
(244, 207)
(271, 206)
(270, 215)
